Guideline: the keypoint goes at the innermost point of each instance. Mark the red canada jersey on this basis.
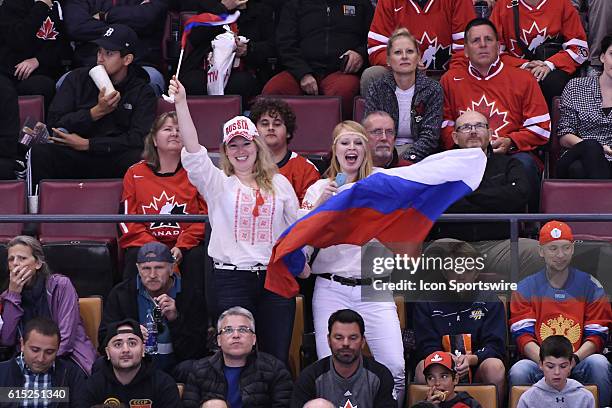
(510, 97)
(537, 25)
(300, 172)
(145, 192)
(438, 27)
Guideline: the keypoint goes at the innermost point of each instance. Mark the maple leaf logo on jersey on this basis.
(168, 206)
(434, 55)
(497, 119)
(47, 30)
(532, 38)
(348, 404)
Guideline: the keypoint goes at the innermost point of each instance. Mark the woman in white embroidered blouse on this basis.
(340, 282)
(249, 206)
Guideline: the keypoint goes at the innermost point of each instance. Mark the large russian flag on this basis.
(207, 20)
(394, 206)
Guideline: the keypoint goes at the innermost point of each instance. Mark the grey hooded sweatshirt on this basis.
(573, 395)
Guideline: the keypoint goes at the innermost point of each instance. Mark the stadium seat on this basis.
(518, 390)
(208, 113)
(12, 201)
(582, 197)
(86, 253)
(32, 106)
(90, 309)
(170, 46)
(358, 108)
(295, 358)
(554, 146)
(316, 117)
(485, 394)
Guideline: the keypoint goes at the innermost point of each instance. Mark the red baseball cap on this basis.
(554, 231)
(440, 357)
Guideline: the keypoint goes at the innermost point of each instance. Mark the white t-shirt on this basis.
(404, 102)
(238, 237)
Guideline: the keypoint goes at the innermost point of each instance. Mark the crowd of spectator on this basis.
(434, 77)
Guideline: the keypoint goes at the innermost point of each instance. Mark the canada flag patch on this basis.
(47, 30)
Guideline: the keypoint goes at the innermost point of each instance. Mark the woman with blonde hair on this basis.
(33, 291)
(413, 100)
(158, 184)
(249, 206)
(340, 282)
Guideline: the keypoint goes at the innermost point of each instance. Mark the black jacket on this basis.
(426, 111)
(188, 331)
(30, 29)
(264, 382)
(124, 128)
(65, 375)
(256, 23)
(151, 386)
(146, 18)
(504, 189)
(313, 34)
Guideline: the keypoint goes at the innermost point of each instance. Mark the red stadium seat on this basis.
(12, 201)
(208, 113)
(169, 44)
(32, 106)
(316, 117)
(582, 197)
(358, 109)
(86, 253)
(79, 197)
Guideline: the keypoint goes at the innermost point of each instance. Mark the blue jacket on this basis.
(484, 321)
(66, 374)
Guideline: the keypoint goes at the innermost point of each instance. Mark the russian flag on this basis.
(393, 206)
(207, 20)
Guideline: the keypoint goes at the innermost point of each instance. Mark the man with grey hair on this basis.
(237, 373)
(380, 127)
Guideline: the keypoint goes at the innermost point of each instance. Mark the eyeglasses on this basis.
(382, 132)
(229, 330)
(477, 127)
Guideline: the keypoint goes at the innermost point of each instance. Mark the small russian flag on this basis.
(207, 20)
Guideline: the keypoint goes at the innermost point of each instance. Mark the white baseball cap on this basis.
(239, 126)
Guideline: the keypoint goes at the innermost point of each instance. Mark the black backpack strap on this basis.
(517, 32)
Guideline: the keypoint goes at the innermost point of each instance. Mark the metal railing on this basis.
(512, 219)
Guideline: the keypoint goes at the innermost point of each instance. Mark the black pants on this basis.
(35, 85)
(50, 161)
(191, 267)
(242, 83)
(586, 160)
(553, 85)
(9, 128)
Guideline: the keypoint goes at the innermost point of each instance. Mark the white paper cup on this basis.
(33, 204)
(101, 79)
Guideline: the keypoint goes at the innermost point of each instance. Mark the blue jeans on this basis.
(273, 314)
(595, 369)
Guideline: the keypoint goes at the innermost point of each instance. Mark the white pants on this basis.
(382, 327)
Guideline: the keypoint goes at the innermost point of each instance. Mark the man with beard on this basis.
(125, 378)
(346, 378)
(561, 300)
(37, 366)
